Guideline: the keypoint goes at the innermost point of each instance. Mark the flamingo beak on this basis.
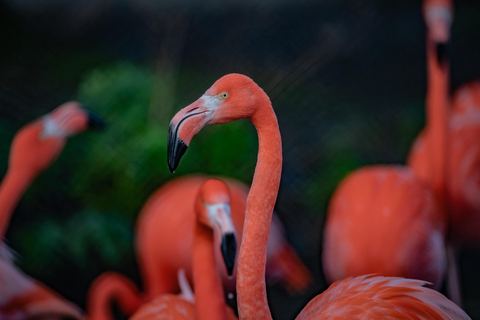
(221, 221)
(229, 250)
(443, 52)
(94, 120)
(183, 127)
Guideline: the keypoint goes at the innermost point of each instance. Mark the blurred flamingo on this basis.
(383, 219)
(159, 263)
(234, 97)
(33, 149)
(212, 219)
(460, 187)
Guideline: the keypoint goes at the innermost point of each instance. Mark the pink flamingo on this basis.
(213, 216)
(234, 97)
(33, 149)
(383, 219)
(159, 264)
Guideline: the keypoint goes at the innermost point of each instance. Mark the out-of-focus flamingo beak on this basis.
(229, 250)
(183, 127)
(94, 120)
(439, 20)
(221, 220)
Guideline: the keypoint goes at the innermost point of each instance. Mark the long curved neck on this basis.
(13, 186)
(437, 118)
(112, 288)
(209, 297)
(251, 290)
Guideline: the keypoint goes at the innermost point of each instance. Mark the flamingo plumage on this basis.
(234, 97)
(34, 148)
(168, 217)
(213, 219)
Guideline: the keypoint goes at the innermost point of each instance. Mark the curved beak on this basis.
(94, 120)
(221, 220)
(183, 127)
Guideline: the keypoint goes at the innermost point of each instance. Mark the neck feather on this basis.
(209, 297)
(251, 289)
(13, 186)
(437, 119)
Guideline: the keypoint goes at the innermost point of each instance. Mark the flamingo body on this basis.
(382, 220)
(21, 297)
(377, 297)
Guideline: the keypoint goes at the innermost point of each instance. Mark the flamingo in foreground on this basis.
(213, 216)
(383, 219)
(33, 149)
(234, 97)
(168, 217)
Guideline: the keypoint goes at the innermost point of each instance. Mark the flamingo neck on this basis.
(437, 103)
(209, 298)
(113, 289)
(251, 289)
(13, 186)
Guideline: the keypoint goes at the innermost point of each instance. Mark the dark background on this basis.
(346, 78)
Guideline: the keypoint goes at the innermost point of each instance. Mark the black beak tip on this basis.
(229, 250)
(175, 150)
(95, 121)
(443, 53)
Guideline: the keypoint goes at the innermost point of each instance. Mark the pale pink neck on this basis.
(13, 186)
(209, 297)
(437, 119)
(251, 290)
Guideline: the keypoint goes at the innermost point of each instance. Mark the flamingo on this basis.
(213, 216)
(33, 149)
(384, 219)
(158, 264)
(234, 97)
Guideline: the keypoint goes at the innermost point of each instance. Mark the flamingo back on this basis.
(378, 297)
(382, 220)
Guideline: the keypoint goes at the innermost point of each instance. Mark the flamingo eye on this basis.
(223, 95)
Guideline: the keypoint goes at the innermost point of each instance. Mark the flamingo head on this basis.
(232, 97)
(438, 16)
(213, 211)
(39, 143)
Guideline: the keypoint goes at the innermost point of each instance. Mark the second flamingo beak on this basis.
(183, 127)
(229, 250)
(221, 221)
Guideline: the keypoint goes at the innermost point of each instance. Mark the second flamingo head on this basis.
(213, 212)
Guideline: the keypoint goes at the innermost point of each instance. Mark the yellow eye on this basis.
(223, 95)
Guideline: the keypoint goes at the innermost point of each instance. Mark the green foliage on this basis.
(87, 234)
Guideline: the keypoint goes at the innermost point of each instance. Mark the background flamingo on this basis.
(33, 149)
(234, 97)
(168, 217)
(213, 216)
(384, 220)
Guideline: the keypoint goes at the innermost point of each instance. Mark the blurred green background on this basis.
(346, 78)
